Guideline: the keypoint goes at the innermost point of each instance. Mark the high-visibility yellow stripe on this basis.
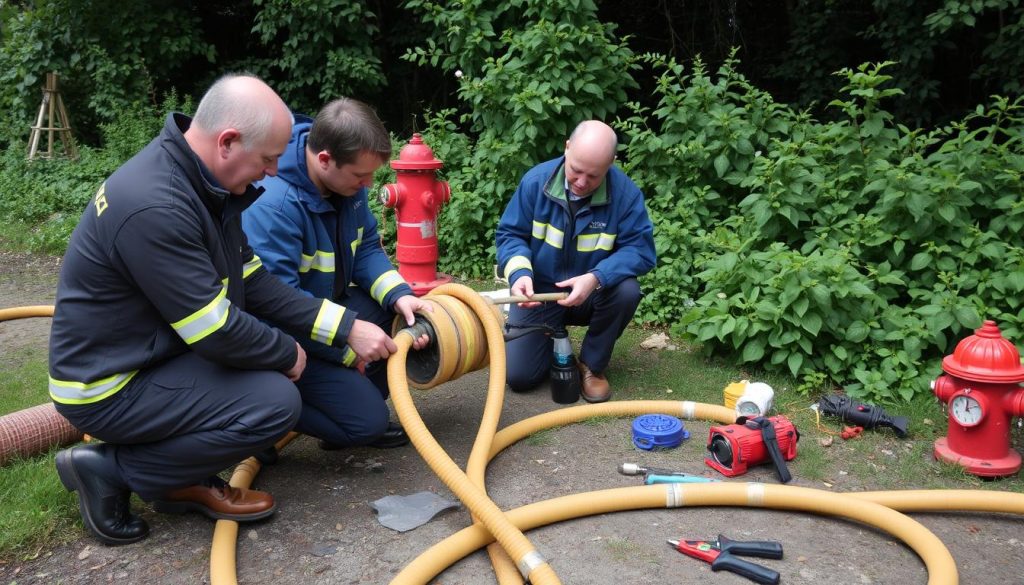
(349, 357)
(517, 263)
(320, 260)
(594, 242)
(384, 284)
(357, 241)
(67, 392)
(551, 235)
(205, 321)
(251, 266)
(327, 321)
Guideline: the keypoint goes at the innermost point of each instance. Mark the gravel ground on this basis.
(325, 530)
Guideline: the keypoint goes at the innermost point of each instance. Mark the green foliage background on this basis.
(846, 242)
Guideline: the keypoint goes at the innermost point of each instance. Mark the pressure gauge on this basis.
(966, 410)
(756, 400)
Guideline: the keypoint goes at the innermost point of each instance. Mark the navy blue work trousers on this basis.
(339, 404)
(606, 313)
(186, 419)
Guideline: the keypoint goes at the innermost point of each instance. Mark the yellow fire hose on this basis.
(26, 312)
(938, 561)
(879, 509)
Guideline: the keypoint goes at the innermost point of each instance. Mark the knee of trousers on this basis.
(369, 427)
(521, 379)
(625, 296)
(280, 409)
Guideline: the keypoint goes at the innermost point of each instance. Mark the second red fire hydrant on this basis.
(417, 197)
(982, 392)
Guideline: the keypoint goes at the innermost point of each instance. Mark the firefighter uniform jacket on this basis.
(611, 236)
(321, 246)
(159, 266)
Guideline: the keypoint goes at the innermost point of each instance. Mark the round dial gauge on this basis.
(965, 409)
(748, 408)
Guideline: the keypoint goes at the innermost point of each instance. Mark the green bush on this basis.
(855, 252)
(48, 196)
(558, 65)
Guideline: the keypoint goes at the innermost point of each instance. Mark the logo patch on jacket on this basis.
(598, 225)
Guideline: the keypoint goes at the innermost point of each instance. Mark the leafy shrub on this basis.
(856, 252)
(558, 65)
(108, 58)
(324, 39)
(49, 195)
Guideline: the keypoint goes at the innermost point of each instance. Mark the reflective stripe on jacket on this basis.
(157, 266)
(611, 236)
(316, 245)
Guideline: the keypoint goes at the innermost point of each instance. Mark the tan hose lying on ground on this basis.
(930, 548)
(505, 569)
(26, 312)
(876, 508)
(939, 563)
(530, 562)
(225, 534)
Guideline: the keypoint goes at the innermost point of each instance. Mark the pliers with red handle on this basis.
(720, 554)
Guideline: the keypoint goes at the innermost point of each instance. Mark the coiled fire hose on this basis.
(879, 509)
(938, 561)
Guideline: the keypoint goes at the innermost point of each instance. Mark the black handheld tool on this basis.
(860, 414)
(721, 555)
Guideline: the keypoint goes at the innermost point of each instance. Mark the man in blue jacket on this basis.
(158, 345)
(579, 223)
(314, 229)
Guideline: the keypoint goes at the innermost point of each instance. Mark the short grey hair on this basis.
(224, 106)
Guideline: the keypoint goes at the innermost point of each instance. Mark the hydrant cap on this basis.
(416, 156)
(985, 356)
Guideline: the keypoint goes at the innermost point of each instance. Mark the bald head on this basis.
(589, 153)
(240, 129)
(242, 102)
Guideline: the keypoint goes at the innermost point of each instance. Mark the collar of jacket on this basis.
(293, 170)
(205, 184)
(554, 187)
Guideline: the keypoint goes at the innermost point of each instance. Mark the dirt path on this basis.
(326, 532)
(26, 279)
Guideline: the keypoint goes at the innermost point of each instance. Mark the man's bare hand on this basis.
(370, 342)
(582, 287)
(421, 341)
(408, 305)
(295, 372)
(523, 287)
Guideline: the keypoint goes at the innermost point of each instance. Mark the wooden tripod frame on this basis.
(52, 112)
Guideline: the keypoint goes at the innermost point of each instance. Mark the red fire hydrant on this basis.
(417, 197)
(982, 391)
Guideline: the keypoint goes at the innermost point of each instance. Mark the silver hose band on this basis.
(531, 561)
(674, 495)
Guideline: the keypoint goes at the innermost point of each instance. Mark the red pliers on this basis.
(720, 555)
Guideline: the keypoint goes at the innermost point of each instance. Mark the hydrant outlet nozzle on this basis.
(390, 194)
(1015, 403)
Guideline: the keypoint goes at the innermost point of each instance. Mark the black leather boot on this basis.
(103, 498)
(393, 437)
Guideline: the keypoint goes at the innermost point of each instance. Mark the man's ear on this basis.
(228, 138)
(324, 158)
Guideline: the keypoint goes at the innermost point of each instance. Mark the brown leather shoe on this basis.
(595, 386)
(218, 500)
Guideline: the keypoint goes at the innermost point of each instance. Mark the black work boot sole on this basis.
(68, 475)
(166, 507)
